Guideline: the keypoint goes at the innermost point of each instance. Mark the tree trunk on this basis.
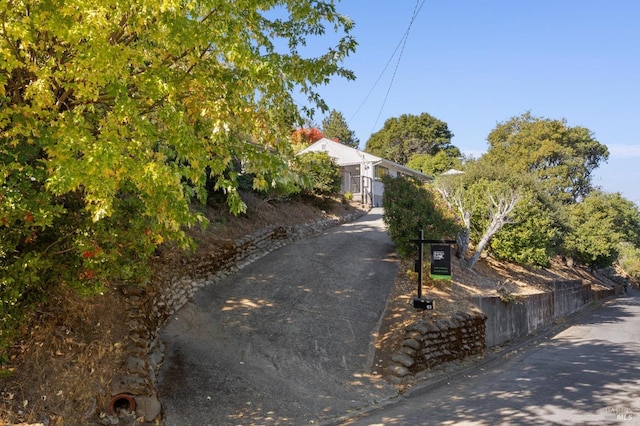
(499, 217)
(481, 245)
(462, 239)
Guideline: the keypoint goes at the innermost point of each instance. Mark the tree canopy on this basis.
(435, 164)
(548, 165)
(321, 170)
(599, 224)
(402, 137)
(335, 127)
(305, 136)
(561, 157)
(116, 115)
(483, 200)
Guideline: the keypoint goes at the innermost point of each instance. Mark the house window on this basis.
(380, 172)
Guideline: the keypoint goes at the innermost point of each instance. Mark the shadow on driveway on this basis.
(288, 339)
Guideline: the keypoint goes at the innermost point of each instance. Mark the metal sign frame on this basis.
(420, 302)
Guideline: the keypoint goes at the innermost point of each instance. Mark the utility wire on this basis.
(402, 42)
(378, 79)
(406, 37)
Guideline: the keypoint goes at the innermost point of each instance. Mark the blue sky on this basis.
(474, 63)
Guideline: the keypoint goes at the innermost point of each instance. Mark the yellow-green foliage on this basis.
(321, 170)
(629, 259)
(115, 114)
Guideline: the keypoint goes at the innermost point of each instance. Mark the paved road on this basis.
(589, 374)
(287, 340)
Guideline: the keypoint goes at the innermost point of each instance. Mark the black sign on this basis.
(440, 262)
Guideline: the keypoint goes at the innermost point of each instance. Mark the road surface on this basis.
(588, 374)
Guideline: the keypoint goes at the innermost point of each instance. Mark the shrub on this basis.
(530, 237)
(322, 172)
(409, 207)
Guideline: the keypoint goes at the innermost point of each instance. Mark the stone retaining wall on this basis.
(427, 344)
(171, 291)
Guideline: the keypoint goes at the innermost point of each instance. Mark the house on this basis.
(361, 171)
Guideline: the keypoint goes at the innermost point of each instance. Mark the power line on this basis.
(378, 79)
(402, 42)
(406, 37)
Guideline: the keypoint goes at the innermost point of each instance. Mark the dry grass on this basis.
(62, 364)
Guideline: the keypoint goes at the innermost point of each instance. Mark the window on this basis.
(380, 172)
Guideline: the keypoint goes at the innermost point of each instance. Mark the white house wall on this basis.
(349, 158)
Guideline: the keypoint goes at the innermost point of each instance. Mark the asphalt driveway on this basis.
(288, 339)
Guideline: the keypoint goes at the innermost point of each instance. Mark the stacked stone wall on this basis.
(171, 291)
(427, 344)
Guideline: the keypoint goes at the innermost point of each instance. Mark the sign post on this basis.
(440, 266)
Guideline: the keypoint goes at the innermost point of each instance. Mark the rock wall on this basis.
(173, 291)
(427, 344)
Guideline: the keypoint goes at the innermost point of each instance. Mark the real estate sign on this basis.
(440, 261)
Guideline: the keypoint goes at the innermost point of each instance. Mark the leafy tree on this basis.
(402, 137)
(435, 164)
(560, 157)
(321, 170)
(532, 237)
(629, 259)
(484, 199)
(115, 114)
(305, 136)
(335, 127)
(627, 217)
(495, 201)
(598, 225)
(452, 189)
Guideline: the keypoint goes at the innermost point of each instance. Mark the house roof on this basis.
(345, 156)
